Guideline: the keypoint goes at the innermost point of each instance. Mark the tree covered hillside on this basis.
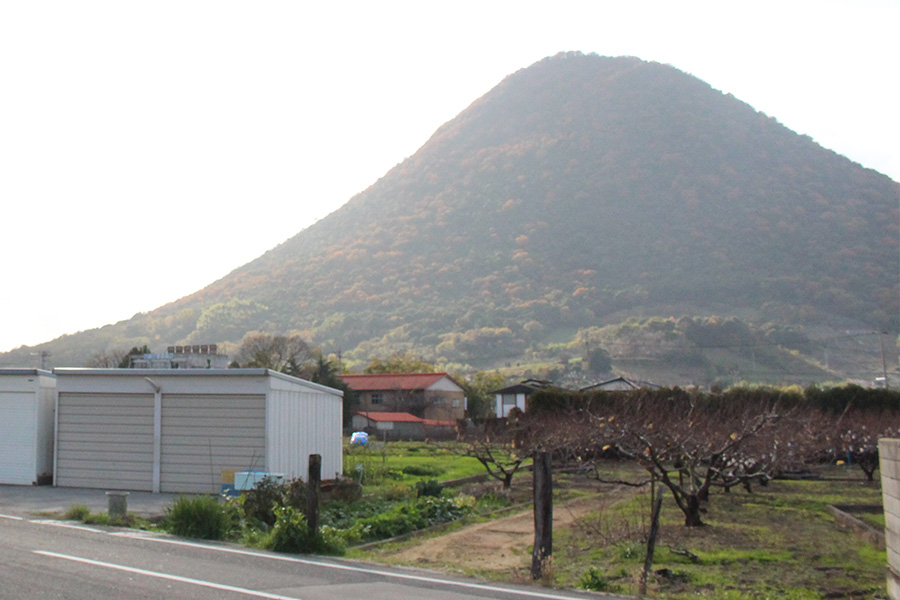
(578, 192)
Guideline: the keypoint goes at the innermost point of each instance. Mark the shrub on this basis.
(291, 534)
(79, 512)
(199, 517)
(443, 510)
(428, 488)
(396, 493)
(594, 580)
(423, 470)
(344, 489)
(261, 502)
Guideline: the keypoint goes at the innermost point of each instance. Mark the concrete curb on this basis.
(860, 527)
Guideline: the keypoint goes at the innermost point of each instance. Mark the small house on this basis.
(514, 396)
(433, 396)
(390, 425)
(402, 426)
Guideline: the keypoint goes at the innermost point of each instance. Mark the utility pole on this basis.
(883, 361)
(45, 355)
(543, 513)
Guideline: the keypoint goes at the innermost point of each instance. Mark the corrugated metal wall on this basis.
(300, 423)
(208, 422)
(27, 402)
(204, 434)
(17, 430)
(105, 441)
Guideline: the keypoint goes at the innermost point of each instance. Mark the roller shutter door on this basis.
(17, 431)
(202, 435)
(105, 441)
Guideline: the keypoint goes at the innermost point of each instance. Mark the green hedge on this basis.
(837, 399)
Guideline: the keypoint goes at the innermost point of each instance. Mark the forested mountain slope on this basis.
(579, 191)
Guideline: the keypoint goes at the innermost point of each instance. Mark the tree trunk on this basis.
(691, 510)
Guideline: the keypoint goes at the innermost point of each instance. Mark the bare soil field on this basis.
(501, 547)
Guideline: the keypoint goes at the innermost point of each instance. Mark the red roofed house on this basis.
(402, 426)
(398, 425)
(430, 396)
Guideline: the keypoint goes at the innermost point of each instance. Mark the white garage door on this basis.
(105, 441)
(17, 431)
(203, 435)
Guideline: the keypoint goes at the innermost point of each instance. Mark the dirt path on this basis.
(497, 545)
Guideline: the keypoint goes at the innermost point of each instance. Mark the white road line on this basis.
(209, 584)
(368, 571)
(137, 534)
(66, 525)
(11, 518)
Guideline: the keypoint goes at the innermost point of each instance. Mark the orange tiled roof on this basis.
(392, 381)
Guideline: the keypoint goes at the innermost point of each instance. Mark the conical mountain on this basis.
(577, 192)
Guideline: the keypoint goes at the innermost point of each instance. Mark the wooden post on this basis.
(314, 477)
(543, 513)
(651, 544)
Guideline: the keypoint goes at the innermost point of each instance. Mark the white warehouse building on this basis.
(183, 430)
(27, 399)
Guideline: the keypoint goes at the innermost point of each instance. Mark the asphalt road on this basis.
(41, 558)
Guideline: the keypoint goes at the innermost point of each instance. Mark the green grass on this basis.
(83, 514)
(383, 464)
(778, 542)
(876, 521)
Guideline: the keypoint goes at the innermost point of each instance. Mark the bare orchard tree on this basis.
(498, 445)
(687, 442)
(285, 353)
(500, 459)
(855, 436)
(791, 445)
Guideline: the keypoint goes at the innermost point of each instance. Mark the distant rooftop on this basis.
(393, 381)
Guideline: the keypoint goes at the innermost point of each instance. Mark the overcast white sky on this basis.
(149, 148)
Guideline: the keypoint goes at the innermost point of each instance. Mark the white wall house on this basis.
(27, 399)
(515, 396)
(506, 401)
(183, 430)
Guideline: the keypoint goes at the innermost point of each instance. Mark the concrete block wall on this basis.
(889, 453)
